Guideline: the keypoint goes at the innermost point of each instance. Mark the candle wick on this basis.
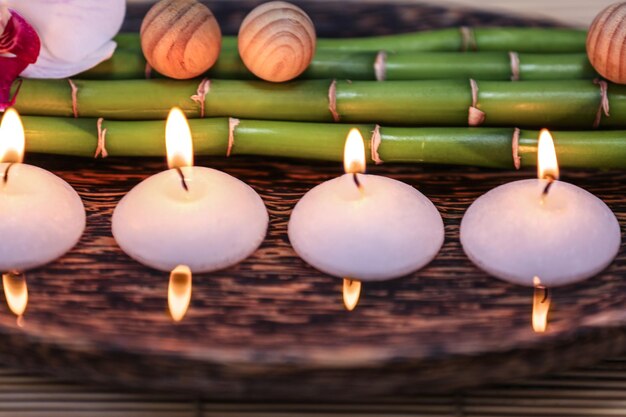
(551, 180)
(5, 176)
(182, 179)
(356, 180)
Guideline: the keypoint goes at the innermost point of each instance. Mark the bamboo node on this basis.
(604, 102)
(148, 71)
(232, 124)
(475, 117)
(514, 57)
(380, 66)
(203, 89)
(517, 161)
(101, 146)
(375, 144)
(74, 98)
(332, 100)
(468, 40)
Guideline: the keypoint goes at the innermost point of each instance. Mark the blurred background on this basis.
(578, 13)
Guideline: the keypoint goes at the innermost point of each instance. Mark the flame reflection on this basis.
(351, 293)
(16, 293)
(179, 292)
(541, 306)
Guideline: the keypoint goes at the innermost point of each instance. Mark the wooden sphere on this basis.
(606, 43)
(180, 38)
(277, 41)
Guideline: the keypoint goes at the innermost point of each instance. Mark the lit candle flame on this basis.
(354, 153)
(16, 292)
(541, 306)
(179, 292)
(547, 165)
(12, 140)
(351, 293)
(178, 143)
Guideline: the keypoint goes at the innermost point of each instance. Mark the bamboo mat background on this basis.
(596, 391)
(593, 391)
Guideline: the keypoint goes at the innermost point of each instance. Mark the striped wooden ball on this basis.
(180, 38)
(606, 43)
(277, 41)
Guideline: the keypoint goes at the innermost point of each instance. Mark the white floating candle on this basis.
(41, 216)
(518, 231)
(215, 222)
(365, 227)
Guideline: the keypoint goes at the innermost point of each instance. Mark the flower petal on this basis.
(19, 47)
(72, 30)
(50, 67)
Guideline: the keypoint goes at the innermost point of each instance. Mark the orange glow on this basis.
(179, 292)
(12, 140)
(16, 292)
(541, 306)
(351, 293)
(178, 141)
(547, 165)
(354, 153)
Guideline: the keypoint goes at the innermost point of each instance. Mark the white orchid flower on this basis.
(76, 35)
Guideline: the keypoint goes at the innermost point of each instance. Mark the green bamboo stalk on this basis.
(484, 147)
(528, 104)
(503, 39)
(130, 64)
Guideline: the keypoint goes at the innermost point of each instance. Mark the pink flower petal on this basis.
(19, 47)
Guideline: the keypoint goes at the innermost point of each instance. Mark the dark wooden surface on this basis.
(335, 18)
(273, 327)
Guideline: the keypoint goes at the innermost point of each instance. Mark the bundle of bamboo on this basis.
(511, 53)
(433, 86)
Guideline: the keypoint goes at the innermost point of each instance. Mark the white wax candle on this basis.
(513, 233)
(217, 223)
(384, 230)
(41, 217)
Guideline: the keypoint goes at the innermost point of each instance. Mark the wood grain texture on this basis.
(356, 18)
(606, 43)
(273, 327)
(572, 12)
(277, 41)
(180, 38)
